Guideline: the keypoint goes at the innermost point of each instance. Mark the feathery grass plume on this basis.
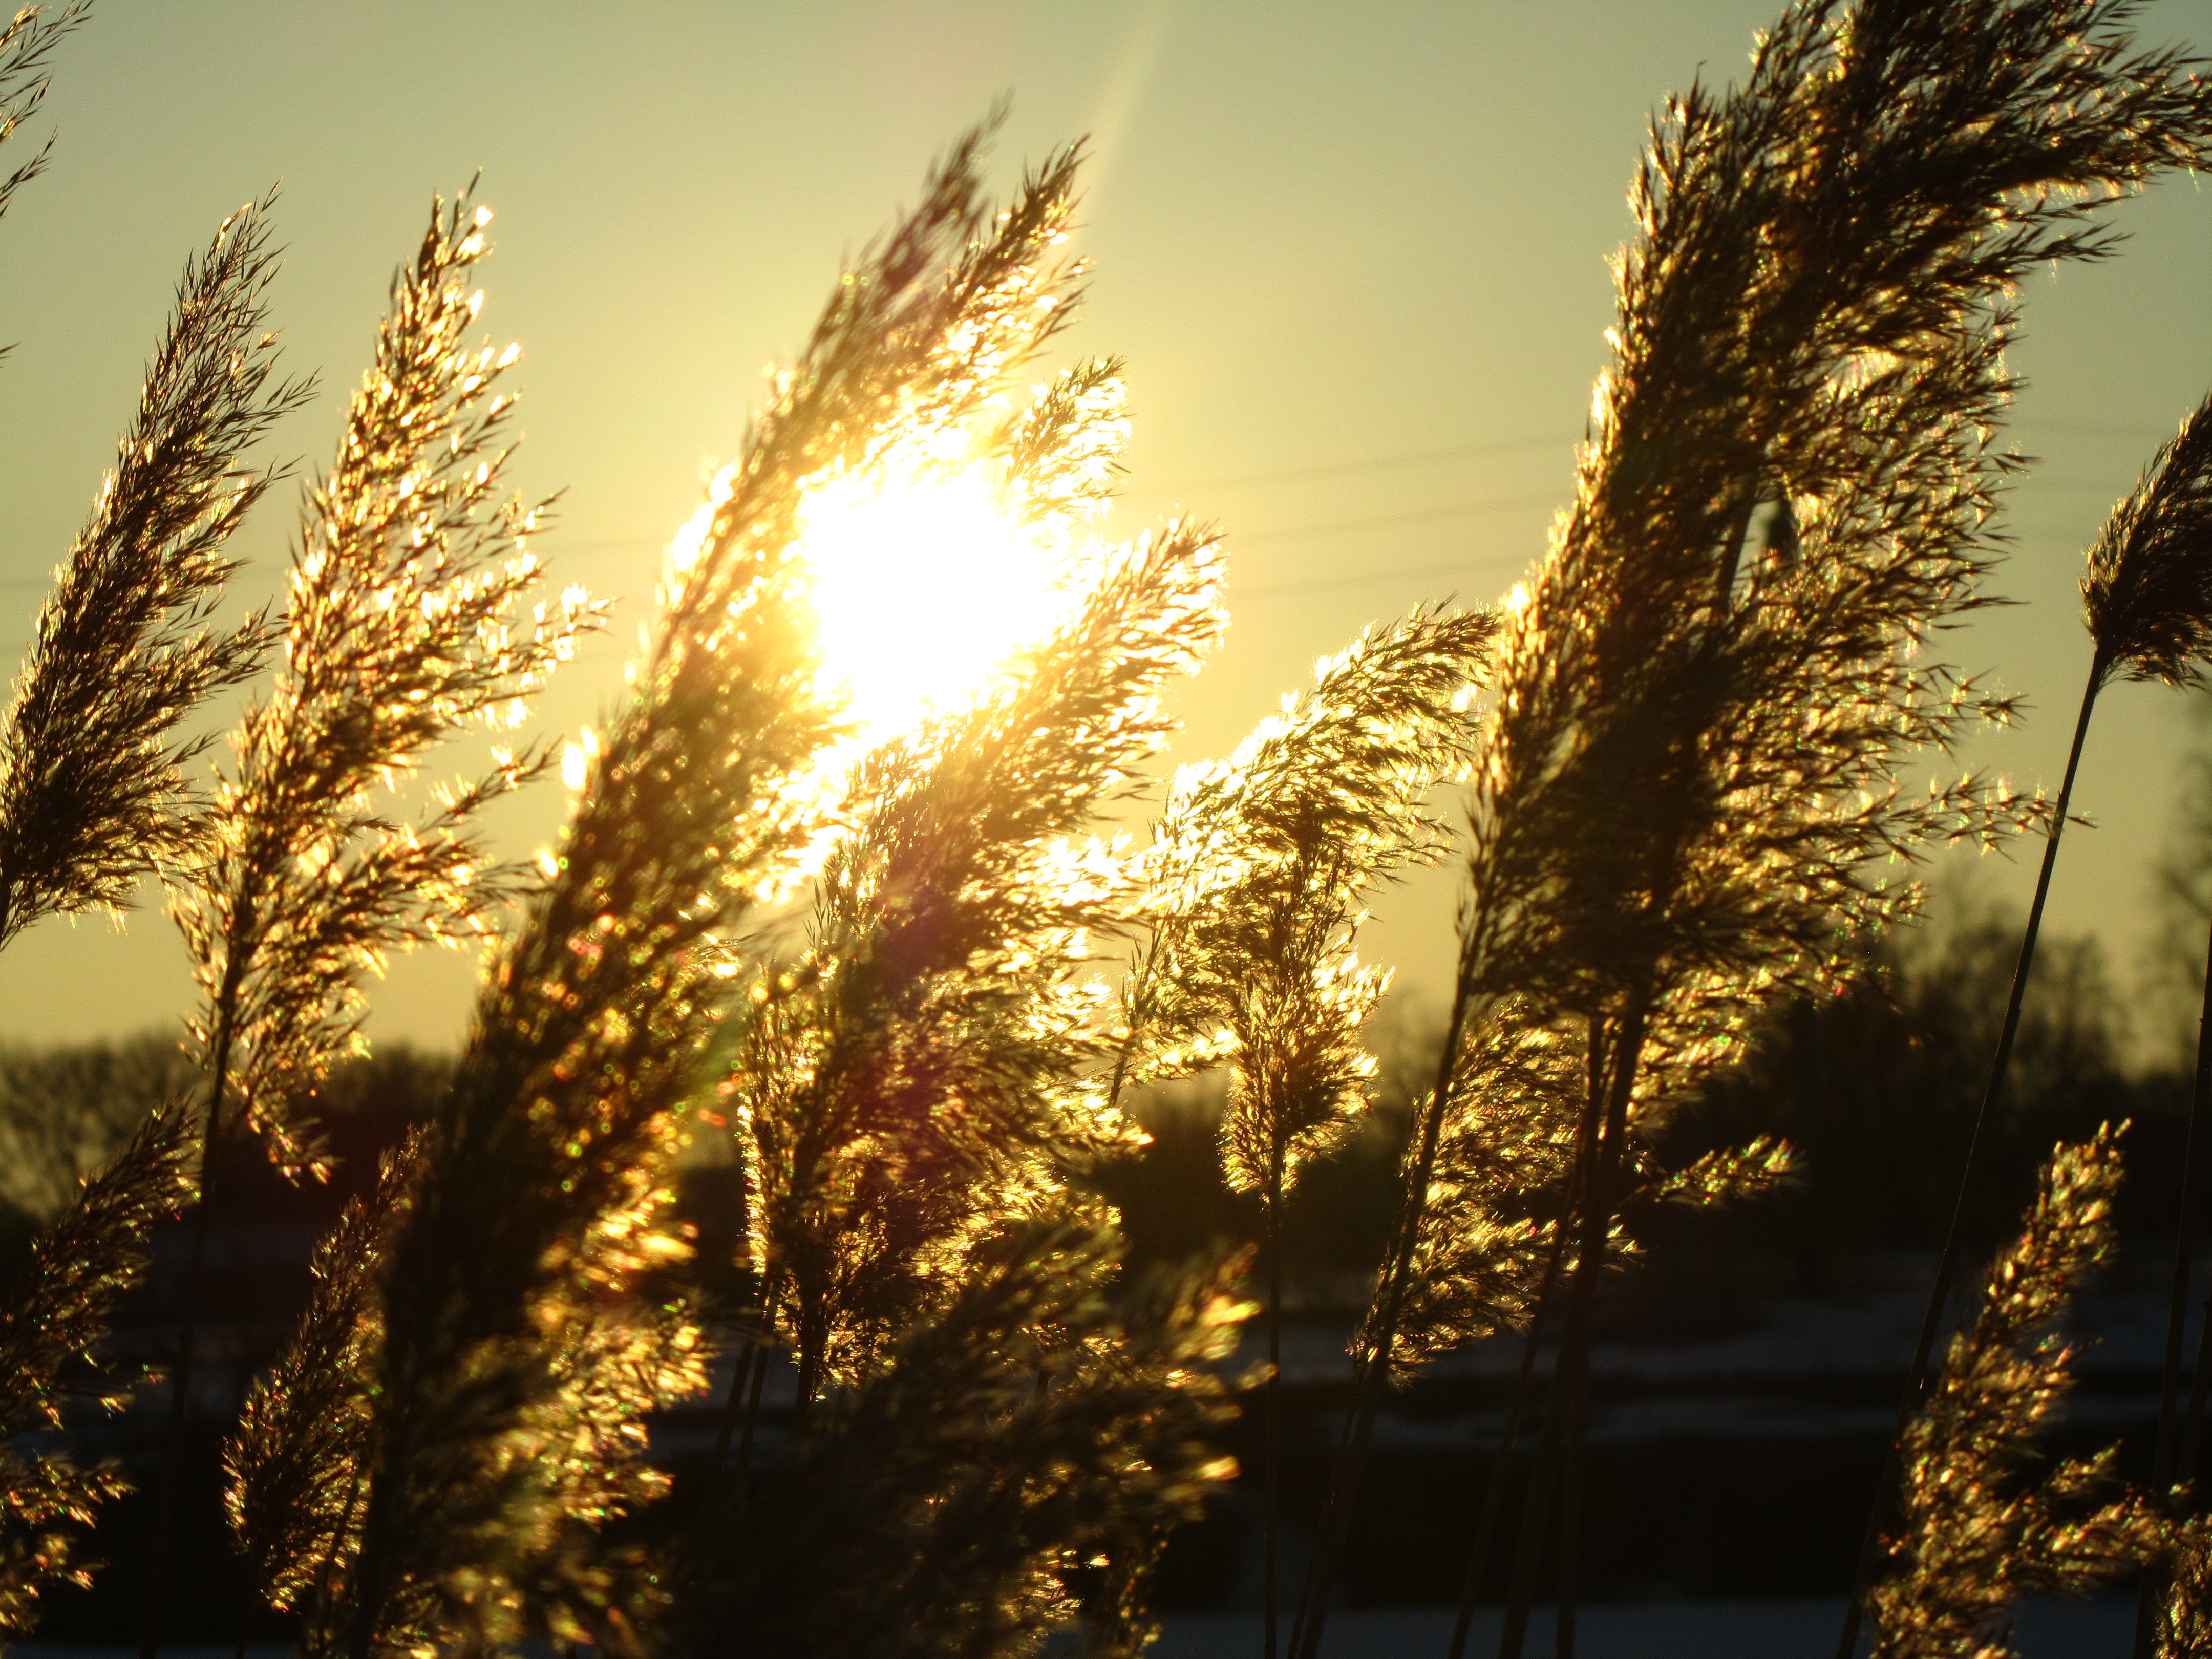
(92, 786)
(1980, 1526)
(1035, 1429)
(1264, 863)
(413, 613)
(1691, 767)
(292, 1466)
(52, 1323)
(1730, 1175)
(2146, 591)
(2147, 596)
(917, 1075)
(26, 42)
(297, 1469)
(1261, 864)
(1489, 1224)
(2185, 1630)
(1507, 1153)
(592, 1026)
(1495, 1230)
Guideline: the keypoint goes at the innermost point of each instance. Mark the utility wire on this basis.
(1346, 469)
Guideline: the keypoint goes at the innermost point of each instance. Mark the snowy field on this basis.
(1647, 1630)
(1631, 1630)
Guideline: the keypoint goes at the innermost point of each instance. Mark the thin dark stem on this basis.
(320, 1603)
(1373, 1368)
(810, 1379)
(1947, 1267)
(732, 1408)
(752, 1421)
(2192, 1441)
(165, 1524)
(1571, 1507)
(1577, 1405)
(245, 1615)
(2176, 1310)
(1732, 554)
(1501, 1462)
(1273, 1497)
(745, 1386)
(1602, 1160)
(1338, 1462)
(1536, 1513)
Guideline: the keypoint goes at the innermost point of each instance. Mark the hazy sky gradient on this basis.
(1355, 256)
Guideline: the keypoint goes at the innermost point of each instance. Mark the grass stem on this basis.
(2177, 1313)
(1947, 1267)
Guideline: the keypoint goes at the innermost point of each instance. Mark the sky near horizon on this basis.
(1355, 256)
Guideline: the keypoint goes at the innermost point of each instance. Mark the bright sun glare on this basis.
(924, 588)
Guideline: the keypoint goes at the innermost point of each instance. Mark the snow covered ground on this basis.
(1647, 1630)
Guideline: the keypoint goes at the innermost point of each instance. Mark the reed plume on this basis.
(1980, 1525)
(52, 1323)
(2147, 598)
(1261, 865)
(1037, 1428)
(536, 1204)
(2185, 1629)
(917, 1075)
(293, 1466)
(2146, 591)
(93, 794)
(413, 614)
(1507, 1154)
(26, 42)
(1690, 770)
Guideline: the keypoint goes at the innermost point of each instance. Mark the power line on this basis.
(2101, 428)
(1342, 469)
(1345, 527)
(1377, 463)
(1357, 579)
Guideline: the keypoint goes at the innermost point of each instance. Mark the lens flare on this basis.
(924, 588)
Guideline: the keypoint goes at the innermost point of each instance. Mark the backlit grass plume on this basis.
(413, 612)
(2185, 1629)
(2147, 593)
(2147, 596)
(1037, 1430)
(1489, 1227)
(916, 1075)
(1262, 864)
(1496, 1234)
(1509, 1152)
(294, 1465)
(534, 1207)
(52, 1324)
(26, 42)
(1981, 1524)
(1262, 867)
(91, 783)
(1690, 770)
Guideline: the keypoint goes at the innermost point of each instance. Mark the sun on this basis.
(923, 588)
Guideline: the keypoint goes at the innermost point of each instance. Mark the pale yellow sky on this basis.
(1355, 255)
